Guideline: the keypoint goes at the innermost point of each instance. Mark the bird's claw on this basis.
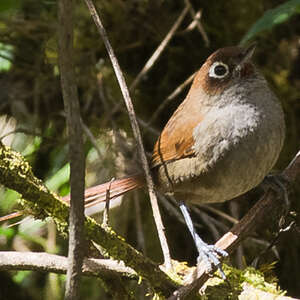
(209, 256)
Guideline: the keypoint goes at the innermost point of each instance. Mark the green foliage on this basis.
(59, 178)
(5, 57)
(21, 276)
(8, 5)
(273, 17)
(7, 232)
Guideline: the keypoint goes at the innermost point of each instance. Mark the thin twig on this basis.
(197, 17)
(136, 132)
(207, 223)
(148, 128)
(194, 22)
(102, 95)
(139, 224)
(220, 213)
(105, 221)
(77, 161)
(149, 64)
(91, 137)
(165, 102)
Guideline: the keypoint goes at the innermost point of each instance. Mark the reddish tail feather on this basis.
(99, 193)
(112, 189)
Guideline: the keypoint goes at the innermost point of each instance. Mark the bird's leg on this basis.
(207, 253)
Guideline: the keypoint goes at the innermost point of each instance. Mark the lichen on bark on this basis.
(16, 174)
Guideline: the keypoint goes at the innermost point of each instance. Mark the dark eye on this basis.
(218, 70)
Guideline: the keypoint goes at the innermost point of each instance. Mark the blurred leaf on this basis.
(59, 178)
(64, 190)
(273, 17)
(5, 55)
(21, 275)
(32, 147)
(8, 232)
(8, 199)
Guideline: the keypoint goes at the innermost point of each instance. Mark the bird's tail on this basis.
(110, 190)
(101, 192)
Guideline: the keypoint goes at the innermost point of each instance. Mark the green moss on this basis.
(16, 173)
(218, 289)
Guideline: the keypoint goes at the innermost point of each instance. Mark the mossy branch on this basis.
(16, 174)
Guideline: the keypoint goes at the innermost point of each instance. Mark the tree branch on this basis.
(16, 174)
(76, 155)
(149, 64)
(11, 260)
(266, 211)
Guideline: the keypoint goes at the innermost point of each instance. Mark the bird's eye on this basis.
(218, 70)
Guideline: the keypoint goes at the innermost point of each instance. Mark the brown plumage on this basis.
(222, 139)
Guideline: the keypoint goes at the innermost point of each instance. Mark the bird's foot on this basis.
(209, 255)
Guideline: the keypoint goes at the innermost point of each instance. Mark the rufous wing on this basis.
(176, 140)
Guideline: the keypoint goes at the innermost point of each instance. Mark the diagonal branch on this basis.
(149, 64)
(16, 174)
(136, 132)
(171, 97)
(266, 211)
(199, 25)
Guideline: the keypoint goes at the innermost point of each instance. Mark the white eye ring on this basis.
(212, 71)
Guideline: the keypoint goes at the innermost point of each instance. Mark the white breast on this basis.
(222, 128)
(236, 145)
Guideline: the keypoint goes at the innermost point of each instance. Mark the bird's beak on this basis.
(245, 56)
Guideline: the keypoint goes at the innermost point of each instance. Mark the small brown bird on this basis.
(222, 140)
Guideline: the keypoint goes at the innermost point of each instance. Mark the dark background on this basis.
(30, 94)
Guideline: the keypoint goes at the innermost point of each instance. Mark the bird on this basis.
(221, 141)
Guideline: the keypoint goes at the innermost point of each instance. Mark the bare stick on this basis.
(266, 210)
(149, 64)
(139, 224)
(165, 102)
(77, 162)
(136, 132)
(11, 260)
(91, 137)
(105, 221)
(199, 25)
(220, 213)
